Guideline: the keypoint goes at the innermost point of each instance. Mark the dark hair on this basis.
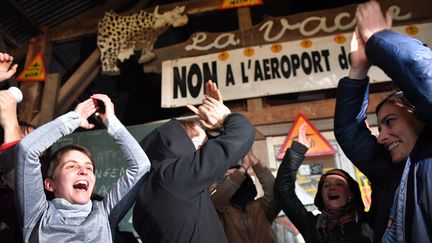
(189, 126)
(236, 166)
(56, 157)
(25, 126)
(396, 98)
(352, 184)
(246, 192)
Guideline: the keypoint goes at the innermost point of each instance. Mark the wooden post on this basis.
(245, 22)
(318, 109)
(76, 84)
(49, 98)
(32, 90)
(244, 18)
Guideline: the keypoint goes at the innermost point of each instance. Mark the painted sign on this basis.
(225, 4)
(319, 145)
(286, 28)
(256, 71)
(35, 70)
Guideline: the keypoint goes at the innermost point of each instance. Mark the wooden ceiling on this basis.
(68, 29)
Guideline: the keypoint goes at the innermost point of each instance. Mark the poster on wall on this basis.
(308, 177)
(278, 68)
(365, 189)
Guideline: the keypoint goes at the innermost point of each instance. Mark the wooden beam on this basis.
(63, 59)
(78, 82)
(319, 109)
(49, 98)
(259, 135)
(86, 24)
(18, 53)
(81, 28)
(7, 38)
(82, 25)
(245, 23)
(24, 17)
(32, 90)
(322, 125)
(255, 104)
(244, 18)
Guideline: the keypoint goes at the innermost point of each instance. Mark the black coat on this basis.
(173, 204)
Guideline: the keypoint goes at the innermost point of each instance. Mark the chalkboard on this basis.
(108, 158)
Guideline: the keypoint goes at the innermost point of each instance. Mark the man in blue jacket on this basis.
(399, 161)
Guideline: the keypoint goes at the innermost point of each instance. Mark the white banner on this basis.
(296, 66)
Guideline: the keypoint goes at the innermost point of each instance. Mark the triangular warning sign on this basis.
(319, 145)
(35, 71)
(239, 3)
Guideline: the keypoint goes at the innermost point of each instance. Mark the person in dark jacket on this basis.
(338, 198)
(173, 204)
(9, 227)
(11, 132)
(399, 162)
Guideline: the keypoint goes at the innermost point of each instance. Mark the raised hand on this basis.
(212, 90)
(6, 71)
(8, 117)
(253, 160)
(85, 109)
(109, 106)
(358, 59)
(212, 112)
(246, 162)
(302, 137)
(7, 107)
(370, 19)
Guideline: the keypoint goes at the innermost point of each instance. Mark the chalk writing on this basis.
(110, 172)
(108, 156)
